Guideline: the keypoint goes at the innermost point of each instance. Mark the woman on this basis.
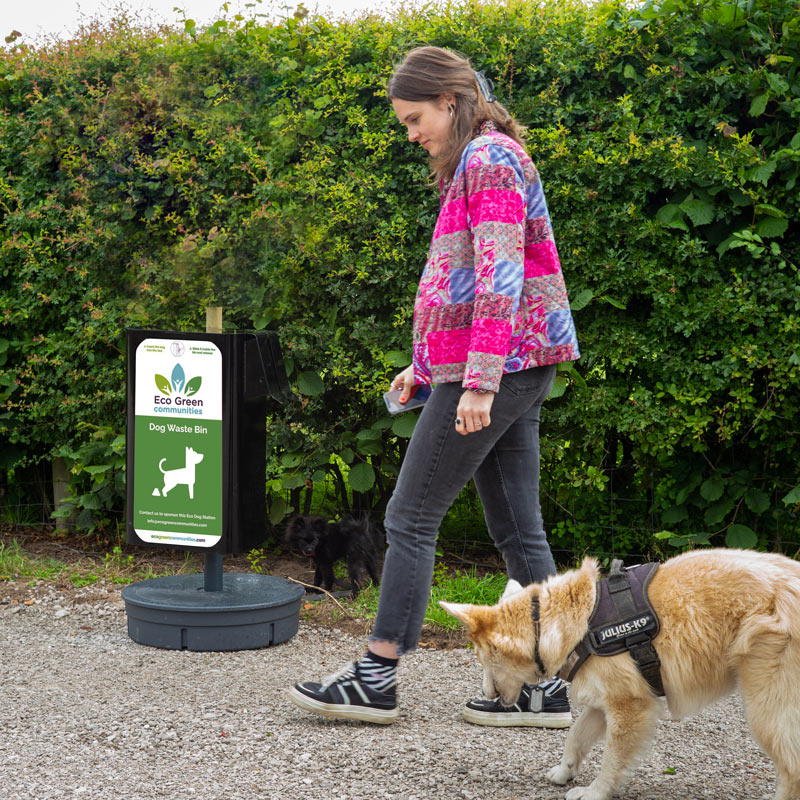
(491, 321)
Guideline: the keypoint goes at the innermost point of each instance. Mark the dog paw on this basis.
(560, 774)
(586, 793)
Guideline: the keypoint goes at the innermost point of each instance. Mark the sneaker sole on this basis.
(335, 711)
(517, 719)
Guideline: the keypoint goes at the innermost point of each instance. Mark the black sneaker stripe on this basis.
(351, 693)
(341, 688)
(362, 694)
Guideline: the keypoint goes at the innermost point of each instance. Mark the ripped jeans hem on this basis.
(401, 651)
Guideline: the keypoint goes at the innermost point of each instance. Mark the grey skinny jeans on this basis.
(503, 458)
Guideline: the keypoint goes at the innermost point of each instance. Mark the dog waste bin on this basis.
(196, 477)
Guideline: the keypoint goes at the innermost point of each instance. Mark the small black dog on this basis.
(355, 540)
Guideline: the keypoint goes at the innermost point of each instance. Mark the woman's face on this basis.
(428, 121)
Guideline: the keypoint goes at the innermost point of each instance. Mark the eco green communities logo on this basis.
(176, 394)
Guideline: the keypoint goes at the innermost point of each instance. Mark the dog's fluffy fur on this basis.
(729, 619)
(355, 540)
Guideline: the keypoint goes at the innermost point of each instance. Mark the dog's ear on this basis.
(289, 531)
(572, 591)
(512, 588)
(590, 569)
(463, 611)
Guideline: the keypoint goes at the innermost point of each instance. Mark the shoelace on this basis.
(346, 673)
(498, 701)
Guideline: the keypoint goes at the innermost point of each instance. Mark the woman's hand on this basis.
(473, 413)
(405, 382)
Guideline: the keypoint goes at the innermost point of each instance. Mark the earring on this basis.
(451, 110)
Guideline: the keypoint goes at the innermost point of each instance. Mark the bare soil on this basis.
(86, 560)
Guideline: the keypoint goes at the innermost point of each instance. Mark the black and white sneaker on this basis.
(344, 696)
(544, 705)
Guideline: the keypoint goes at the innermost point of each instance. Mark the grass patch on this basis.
(116, 567)
(464, 586)
(16, 563)
(119, 567)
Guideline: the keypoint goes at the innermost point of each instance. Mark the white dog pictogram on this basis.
(172, 477)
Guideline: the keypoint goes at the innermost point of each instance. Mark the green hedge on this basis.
(146, 174)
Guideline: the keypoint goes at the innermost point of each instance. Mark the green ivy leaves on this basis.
(310, 384)
(699, 211)
(741, 536)
(361, 477)
(792, 497)
(756, 500)
(398, 358)
(404, 425)
(722, 498)
(713, 488)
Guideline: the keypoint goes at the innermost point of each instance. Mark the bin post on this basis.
(213, 319)
(212, 572)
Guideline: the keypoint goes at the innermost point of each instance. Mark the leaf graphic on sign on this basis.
(163, 385)
(178, 378)
(193, 387)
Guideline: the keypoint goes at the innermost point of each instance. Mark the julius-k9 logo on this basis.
(613, 632)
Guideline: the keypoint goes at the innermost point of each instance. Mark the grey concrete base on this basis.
(176, 613)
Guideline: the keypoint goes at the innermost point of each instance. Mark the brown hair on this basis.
(426, 74)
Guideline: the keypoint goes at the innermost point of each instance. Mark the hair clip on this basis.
(486, 86)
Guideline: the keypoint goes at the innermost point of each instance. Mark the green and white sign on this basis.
(177, 488)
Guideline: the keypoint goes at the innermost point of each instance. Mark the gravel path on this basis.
(85, 712)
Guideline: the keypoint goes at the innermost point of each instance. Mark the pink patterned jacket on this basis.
(492, 297)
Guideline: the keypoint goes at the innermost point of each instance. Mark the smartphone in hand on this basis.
(420, 393)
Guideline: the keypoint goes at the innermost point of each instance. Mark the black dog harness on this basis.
(623, 621)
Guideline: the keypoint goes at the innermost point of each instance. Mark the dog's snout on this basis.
(509, 700)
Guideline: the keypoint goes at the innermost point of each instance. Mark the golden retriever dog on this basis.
(729, 619)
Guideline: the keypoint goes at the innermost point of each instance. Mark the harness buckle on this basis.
(640, 646)
(646, 658)
(637, 638)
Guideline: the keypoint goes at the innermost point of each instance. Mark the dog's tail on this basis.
(160, 463)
